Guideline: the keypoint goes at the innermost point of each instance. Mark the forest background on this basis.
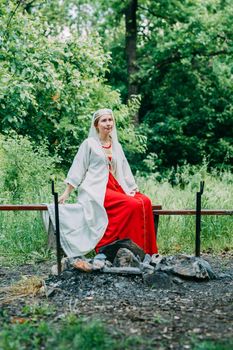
(164, 67)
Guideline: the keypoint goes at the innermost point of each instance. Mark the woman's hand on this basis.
(63, 198)
(65, 195)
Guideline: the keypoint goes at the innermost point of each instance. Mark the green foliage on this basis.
(178, 191)
(23, 238)
(184, 61)
(26, 169)
(35, 312)
(26, 172)
(190, 61)
(212, 345)
(68, 333)
(49, 86)
(72, 333)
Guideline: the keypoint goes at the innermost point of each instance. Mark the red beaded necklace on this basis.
(107, 146)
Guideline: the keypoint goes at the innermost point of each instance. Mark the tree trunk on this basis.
(130, 47)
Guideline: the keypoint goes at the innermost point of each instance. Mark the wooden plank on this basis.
(157, 209)
(127, 270)
(192, 212)
(15, 207)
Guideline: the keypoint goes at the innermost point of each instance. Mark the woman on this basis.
(110, 206)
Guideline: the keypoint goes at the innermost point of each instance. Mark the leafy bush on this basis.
(50, 87)
(186, 81)
(25, 173)
(26, 170)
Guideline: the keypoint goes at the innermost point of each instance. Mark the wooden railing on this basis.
(157, 211)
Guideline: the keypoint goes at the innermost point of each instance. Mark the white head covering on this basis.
(93, 132)
(119, 163)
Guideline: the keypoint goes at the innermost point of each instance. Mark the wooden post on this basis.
(156, 209)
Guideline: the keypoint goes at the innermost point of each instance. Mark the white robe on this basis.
(82, 225)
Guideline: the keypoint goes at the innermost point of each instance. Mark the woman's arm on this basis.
(79, 166)
(77, 171)
(66, 193)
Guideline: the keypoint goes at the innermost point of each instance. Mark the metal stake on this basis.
(57, 229)
(198, 220)
(156, 224)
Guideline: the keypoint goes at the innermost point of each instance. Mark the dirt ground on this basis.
(188, 313)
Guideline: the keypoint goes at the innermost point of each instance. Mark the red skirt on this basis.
(128, 217)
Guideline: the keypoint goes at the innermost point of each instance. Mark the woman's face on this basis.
(105, 125)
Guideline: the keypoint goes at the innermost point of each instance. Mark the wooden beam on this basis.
(157, 209)
(16, 207)
(192, 212)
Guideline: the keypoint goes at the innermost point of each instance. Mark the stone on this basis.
(82, 265)
(111, 249)
(54, 270)
(194, 267)
(186, 266)
(224, 276)
(177, 280)
(146, 268)
(100, 256)
(98, 262)
(125, 257)
(108, 263)
(158, 279)
(50, 292)
(147, 259)
(67, 274)
(155, 259)
(98, 265)
(207, 267)
(65, 264)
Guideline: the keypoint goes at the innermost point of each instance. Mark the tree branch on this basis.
(176, 57)
(158, 15)
(13, 13)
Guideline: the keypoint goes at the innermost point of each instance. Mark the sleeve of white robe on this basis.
(79, 166)
(128, 176)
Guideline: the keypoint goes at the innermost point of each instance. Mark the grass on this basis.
(34, 330)
(22, 234)
(210, 345)
(39, 326)
(23, 238)
(71, 333)
(177, 233)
